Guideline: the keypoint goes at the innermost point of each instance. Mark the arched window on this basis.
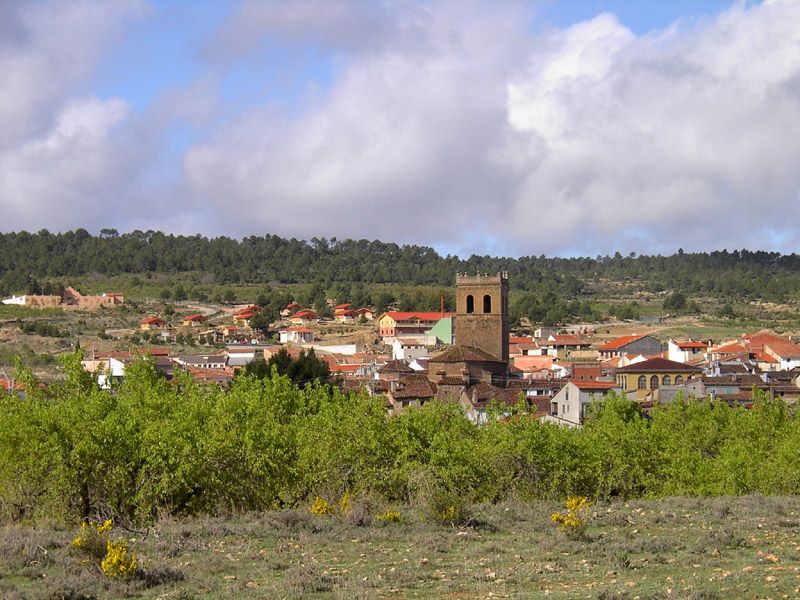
(642, 382)
(654, 382)
(666, 380)
(678, 379)
(470, 304)
(487, 303)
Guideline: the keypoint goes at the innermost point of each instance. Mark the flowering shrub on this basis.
(321, 507)
(118, 561)
(390, 516)
(575, 519)
(93, 538)
(345, 503)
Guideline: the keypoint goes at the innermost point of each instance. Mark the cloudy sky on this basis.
(558, 127)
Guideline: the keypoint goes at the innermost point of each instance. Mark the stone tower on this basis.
(482, 313)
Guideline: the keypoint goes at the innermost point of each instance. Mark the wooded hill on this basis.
(732, 274)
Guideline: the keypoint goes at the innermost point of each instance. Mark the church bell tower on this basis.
(482, 313)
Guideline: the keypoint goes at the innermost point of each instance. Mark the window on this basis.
(554, 409)
(678, 379)
(642, 382)
(470, 304)
(487, 303)
(667, 380)
(654, 382)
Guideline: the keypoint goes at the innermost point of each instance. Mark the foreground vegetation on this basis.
(150, 448)
(684, 548)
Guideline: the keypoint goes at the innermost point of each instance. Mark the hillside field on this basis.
(728, 547)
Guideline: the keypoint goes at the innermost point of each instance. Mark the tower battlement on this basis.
(481, 278)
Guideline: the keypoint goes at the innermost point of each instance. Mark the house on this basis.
(243, 318)
(202, 361)
(639, 379)
(408, 349)
(152, 323)
(367, 313)
(570, 404)
(476, 400)
(240, 356)
(290, 309)
(686, 351)
(297, 335)
(564, 345)
(194, 320)
(413, 390)
(304, 318)
(629, 344)
(773, 352)
(344, 315)
(394, 324)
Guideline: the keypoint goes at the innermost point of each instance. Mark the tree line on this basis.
(270, 258)
(149, 448)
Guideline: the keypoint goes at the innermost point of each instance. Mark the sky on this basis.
(521, 127)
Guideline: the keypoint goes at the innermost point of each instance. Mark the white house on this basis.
(298, 335)
(408, 349)
(569, 406)
(685, 351)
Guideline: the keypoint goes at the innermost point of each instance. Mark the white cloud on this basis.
(681, 138)
(479, 135)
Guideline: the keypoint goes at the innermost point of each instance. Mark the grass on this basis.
(672, 548)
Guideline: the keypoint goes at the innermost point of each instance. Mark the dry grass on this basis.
(673, 548)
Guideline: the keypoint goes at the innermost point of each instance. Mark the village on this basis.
(468, 356)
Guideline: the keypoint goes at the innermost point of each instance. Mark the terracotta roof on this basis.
(523, 339)
(464, 354)
(305, 314)
(732, 348)
(595, 385)
(421, 316)
(568, 340)
(690, 344)
(619, 342)
(412, 388)
(480, 395)
(783, 348)
(195, 318)
(253, 308)
(300, 329)
(395, 366)
(657, 365)
(152, 321)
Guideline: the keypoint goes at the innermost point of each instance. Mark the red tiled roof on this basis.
(619, 342)
(657, 365)
(690, 344)
(567, 340)
(300, 329)
(732, 348)
(245, 315)
(195, 318)
(151, 321)
(595, 385)
(305, 314)
(420, 316)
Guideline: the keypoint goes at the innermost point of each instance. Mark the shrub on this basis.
(575, 519)
(320, 507)
(93, 538)
(119, 562)
(390, 516)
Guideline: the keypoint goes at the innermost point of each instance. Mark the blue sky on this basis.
(559, 127)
